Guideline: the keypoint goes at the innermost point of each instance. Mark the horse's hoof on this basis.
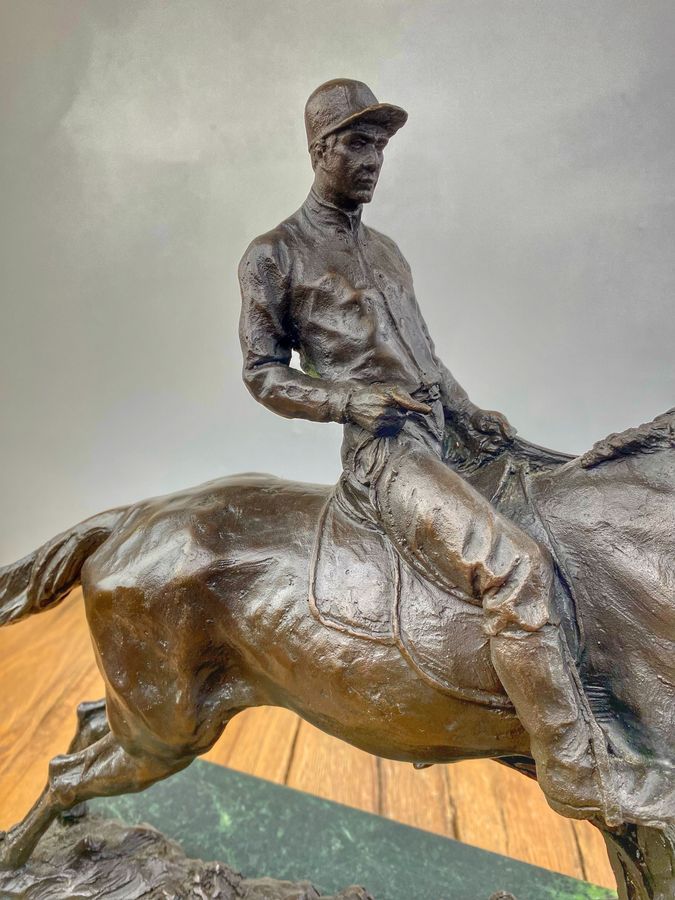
(74, 814)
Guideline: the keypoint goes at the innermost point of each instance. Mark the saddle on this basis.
(361, 586)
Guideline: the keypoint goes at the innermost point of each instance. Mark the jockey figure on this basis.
(341, 294)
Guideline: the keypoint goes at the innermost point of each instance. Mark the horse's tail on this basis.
(45, 577)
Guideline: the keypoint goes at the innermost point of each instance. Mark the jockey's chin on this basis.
(364, 193)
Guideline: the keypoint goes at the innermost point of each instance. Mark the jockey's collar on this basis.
(327, 215)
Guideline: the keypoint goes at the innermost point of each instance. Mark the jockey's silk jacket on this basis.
(340, 294)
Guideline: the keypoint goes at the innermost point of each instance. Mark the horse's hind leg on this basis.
(92, 725)
(104, 768)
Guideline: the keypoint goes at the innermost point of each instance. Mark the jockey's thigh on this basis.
(453, 534)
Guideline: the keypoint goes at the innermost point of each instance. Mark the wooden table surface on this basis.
(47, 667)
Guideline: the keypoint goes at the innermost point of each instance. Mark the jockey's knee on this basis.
(538, 573)
(523, 601)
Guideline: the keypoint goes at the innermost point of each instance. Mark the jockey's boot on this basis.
(567, 745)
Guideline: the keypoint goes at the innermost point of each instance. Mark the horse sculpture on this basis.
(218, 598)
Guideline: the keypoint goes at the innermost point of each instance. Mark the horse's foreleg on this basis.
(105, 768)
(643, 860)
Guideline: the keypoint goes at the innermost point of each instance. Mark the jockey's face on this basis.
(347, 165)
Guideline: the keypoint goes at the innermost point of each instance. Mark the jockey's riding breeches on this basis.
(445, 529)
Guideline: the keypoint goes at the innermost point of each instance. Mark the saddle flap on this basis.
(353, 582)
(441, 635)
(359, 585)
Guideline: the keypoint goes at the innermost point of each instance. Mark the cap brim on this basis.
(387, 116)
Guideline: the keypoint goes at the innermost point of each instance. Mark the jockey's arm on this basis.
(266, 338)
(266, 342)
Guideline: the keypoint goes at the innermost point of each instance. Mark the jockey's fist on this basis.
(382, 410)
(491, 429)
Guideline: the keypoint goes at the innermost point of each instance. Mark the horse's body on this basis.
(228, 589)
(198, 604)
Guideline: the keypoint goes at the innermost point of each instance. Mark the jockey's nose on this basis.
(372, 161)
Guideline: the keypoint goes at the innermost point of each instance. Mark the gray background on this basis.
(145, 143)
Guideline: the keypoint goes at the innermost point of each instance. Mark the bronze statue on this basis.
(460, 593)
(341, 294)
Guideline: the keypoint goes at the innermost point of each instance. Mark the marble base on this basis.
(267, 831)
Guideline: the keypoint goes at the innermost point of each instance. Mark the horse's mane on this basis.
(659, 434)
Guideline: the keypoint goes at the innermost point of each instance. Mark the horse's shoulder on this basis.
(611, 494)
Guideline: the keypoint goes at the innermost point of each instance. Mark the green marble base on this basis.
(260, 828)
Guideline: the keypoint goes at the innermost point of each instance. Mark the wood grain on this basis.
(47, 667)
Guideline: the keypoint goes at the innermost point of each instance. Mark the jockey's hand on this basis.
(487, 421)
(491, 429)
(382, 410)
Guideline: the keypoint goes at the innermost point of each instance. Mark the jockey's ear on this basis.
(317, 151)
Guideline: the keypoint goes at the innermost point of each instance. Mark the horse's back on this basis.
(180, 533)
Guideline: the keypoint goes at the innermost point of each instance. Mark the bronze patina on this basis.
(459, 593)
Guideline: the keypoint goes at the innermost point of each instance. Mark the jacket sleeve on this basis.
(266, 336)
